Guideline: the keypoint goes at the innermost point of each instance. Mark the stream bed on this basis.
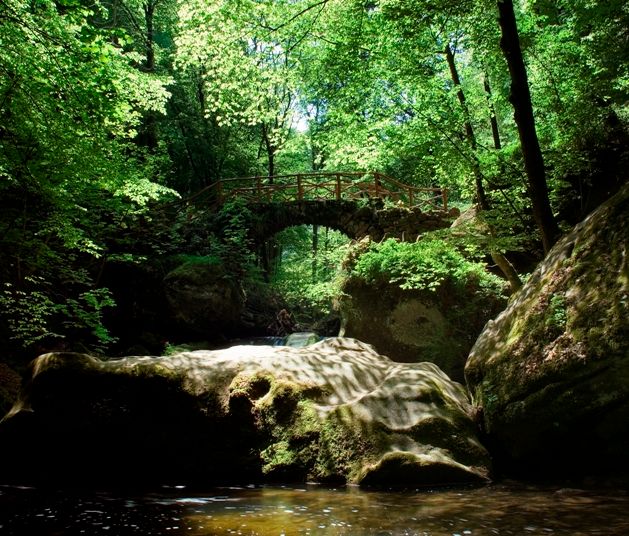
(512, 509)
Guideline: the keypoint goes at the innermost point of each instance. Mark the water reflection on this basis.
(495, 510)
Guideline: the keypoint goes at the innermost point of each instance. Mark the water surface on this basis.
(251, 510)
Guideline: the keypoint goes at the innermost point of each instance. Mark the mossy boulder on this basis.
(411, 325)
(335, 411)
(204, 300)
(10, 382)
(551, 373)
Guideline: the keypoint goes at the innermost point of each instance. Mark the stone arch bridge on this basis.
(356, 203)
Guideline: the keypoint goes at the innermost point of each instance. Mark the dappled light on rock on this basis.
(551, 373)
(334, 411)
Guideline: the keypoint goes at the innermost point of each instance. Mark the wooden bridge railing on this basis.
(325, 186)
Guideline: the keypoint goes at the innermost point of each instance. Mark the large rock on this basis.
(335, 411)
(10, 382)
(551, 373)
(204, 300)
(410, 325)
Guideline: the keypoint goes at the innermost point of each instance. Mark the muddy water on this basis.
(494, 510)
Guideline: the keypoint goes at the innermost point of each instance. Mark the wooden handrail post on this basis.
(352, 183)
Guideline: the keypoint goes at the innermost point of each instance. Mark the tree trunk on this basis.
(149, 15)
(271, 156)
(503, 264)
(454, 73)
(269, 258)
(481, 198)
(520, 98)
(148, 135)
(492, 115)
(270, 152)
(315, 251)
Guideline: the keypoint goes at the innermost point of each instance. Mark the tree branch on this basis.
(296, 16)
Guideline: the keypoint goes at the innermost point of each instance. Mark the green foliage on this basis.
(33, 315)
(72, 180)
(99, 113)
(230, 43)
(28, 312)
(184, 258)
(556, 315)
(86, 312)
(235, 248)
(424, 265)
(310, 280)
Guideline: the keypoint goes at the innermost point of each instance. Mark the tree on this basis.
(523, 115)
(481, 198)
(248, 68)
(70, 174)
(141, 18)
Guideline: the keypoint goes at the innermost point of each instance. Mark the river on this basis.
(499, 509)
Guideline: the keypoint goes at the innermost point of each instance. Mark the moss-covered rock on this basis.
(551, 373)
(204, 300)
(411, 325)
(335, 411)
(10, 382)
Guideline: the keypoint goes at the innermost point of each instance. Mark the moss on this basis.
(252, 386)
(556, 316)
(346, 444)
(307, 445)
(453, 436)
(552, 367)
(288, 418)
(284, 398)
(295, 452)
(278, 459)
(437, 324)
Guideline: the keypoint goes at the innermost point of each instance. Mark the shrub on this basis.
(423, 265)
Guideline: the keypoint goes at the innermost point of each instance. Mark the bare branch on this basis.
(296, 16)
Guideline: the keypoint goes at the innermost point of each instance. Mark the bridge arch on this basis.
(355, 219)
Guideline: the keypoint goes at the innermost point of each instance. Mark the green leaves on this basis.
(310, 279)
(34, 313)
(86, 313)
(248, 69)
(28, 312)
(71, 100)
(422, 265)
(99, 113)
